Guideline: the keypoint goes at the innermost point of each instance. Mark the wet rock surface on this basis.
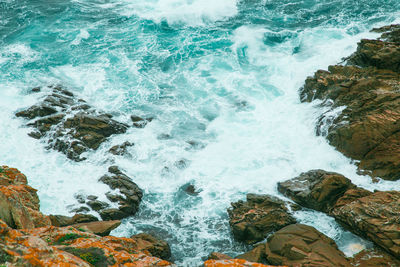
(316, 189)
(302, 245)
(366, 91)
(375, 216)
(19, 203)
(156, 247)
(252, 220)
(69, 124)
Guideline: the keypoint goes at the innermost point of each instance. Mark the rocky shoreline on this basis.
(363, 94)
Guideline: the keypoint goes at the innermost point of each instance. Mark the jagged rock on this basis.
(316, 189)
(19, 203)
(140, 122)
(350, 196)
(375, 216)
(218, 256)
(365, 101)
(302, 245)
(54, 246)
(71, 125)
(156, 247)
(253, 220)
(101, 228)
(60, 220)
(120, 150)
(112, 214)
(97, 205)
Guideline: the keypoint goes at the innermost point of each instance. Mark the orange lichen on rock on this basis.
(19, 203)
(67, 246)
(233, 263)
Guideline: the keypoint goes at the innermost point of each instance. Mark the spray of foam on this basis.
(194, 12)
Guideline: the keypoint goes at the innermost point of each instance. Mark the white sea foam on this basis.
(191, 12)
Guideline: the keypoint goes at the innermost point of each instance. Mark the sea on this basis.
(221, 78)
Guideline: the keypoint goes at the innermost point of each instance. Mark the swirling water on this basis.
(221, 79)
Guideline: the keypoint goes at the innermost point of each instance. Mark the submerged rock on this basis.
(316, 189)
(70, 125)
(251, 221)
(302, 245)
(365, 97)
(120, 150)
(19, 203)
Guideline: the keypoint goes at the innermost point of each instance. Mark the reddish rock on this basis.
(19, 203)
(302, 245)
(253, 220)
(54, 246)
(257, 254)
(375, 216)
(316, 189)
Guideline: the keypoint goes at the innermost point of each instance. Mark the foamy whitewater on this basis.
(221, 79)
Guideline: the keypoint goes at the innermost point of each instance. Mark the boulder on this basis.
(60, 220)
(101, 228)
(251, 221)
(302, 245)
(375, 216)
(218, 256)
(19, 203)
(120, 150)
(374, 258)
(364, 98)
(67, 246)
(71, 125)
(257, 254)
(316, 189)
(156, 247)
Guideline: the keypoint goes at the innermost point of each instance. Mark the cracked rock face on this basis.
(69, 124)
(251, 221)
(368, 91)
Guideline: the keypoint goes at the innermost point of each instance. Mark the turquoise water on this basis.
(221, 79)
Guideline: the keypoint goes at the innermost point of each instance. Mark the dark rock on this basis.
(302, 245)
(140, 122)
(375, 216)
(316, 189)
(81, 209)
(112, 214)
(190, 189)
(253, 220)
(97, 205)
(60, 220)
(120, 150)
(157, 247)
(257, 254)
(92, 197)
(71, 125)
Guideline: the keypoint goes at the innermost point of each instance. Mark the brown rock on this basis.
(218, 256)
(302, 245)
(233, 263)
(367, 128)
(375, 216)
(60, 220)
(102, 228)
(257, 254)
(253, 220)
(316, 189)
(120, 150)
(19, 203)
(350, 196)
(374, 258)
(156, 247)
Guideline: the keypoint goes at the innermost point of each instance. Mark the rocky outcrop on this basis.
(60, 220)
(257, 254)
(374, 258)
(102, 228)
(316, 189)
(54, 246)
(251, 221)
(363, 99)
(124, 192)
(19, 203)
(302, 245)
(375, 216)
(70, 125)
